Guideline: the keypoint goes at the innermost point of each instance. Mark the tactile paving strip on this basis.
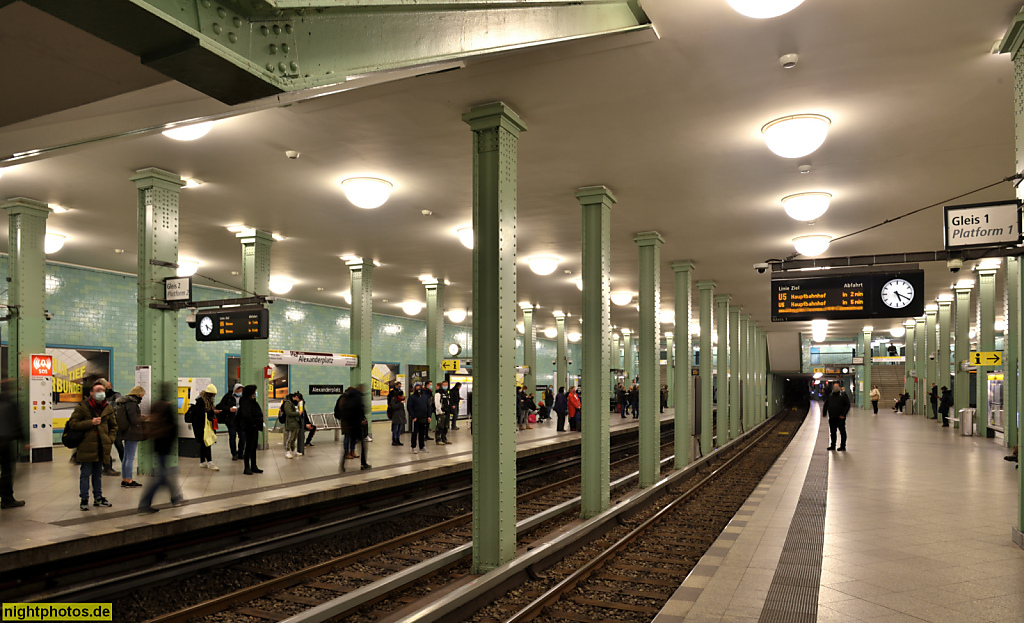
(793, 594)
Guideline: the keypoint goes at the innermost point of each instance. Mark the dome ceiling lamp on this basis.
(465, 236)
(796, 136)
(53, 242)
(812, 245)
(806, 206)
(189, 132)
(367, 193)
(543, 264)
(764, 9)
(622, 298)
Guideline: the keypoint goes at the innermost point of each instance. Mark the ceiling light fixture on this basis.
(412, 307)
(278, 237)
(695, 327)
(796, 136)
(281, 285)
(521, 328)
(543, 264)
(187, 268)
(191, 182)
(350, 258)
(347, 296)
(622, 298)
(667, 316)
(53, 243)
(189, 132)
(456, 315)
(812, 245)
(579, 283)
(367, 192)
(899, 331)
(550, 332)
(57, 208)
(999, 325)
(466, 236)
(575, 336)
(806, 206)
(763, 9)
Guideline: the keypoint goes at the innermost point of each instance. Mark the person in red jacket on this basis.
(574, 408)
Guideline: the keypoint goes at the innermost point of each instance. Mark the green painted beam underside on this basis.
(256, 353)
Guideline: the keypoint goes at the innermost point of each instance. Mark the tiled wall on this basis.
(97, 309)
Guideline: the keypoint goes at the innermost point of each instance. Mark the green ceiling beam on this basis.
(240, 50)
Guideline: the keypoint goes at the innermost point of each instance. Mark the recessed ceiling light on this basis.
(189, 132)
(367, 192)
(543, 264)
(319, 289)
(235, 272)
(57, 208)
(278, 237)
(806, 206)
(350, 258)
(763, 9)
(427, 212)
(622, 298)
(119, 251)
(466, 237)
(237, 228)
(53, 242)
(191, 182)
(281, 285)
(796, 136)
(187, 268)
(812, 245)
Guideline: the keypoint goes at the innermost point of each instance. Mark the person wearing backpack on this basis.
(10, 433)
(353, 411)
(250, 420)
(95, 417)
(201, 416)
(129, 427)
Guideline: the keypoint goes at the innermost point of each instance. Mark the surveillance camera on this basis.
(48, 315)
(190, 320)
(292, 155)
(954, 265)
(761, 267)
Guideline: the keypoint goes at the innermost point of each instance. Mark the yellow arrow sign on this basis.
(986, 358)
(450, 365)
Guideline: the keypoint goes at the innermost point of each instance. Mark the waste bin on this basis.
(967, 421)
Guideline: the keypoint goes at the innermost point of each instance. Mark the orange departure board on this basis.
(252, 324)
(858, 295)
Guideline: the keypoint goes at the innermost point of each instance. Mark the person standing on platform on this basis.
(202, 417)
(95, 417)
(664, 399)
(108, 463)
(561, 408)
(129, 427)
(163, 432)
(396, 405)
(933, 398)
(354, 412)
(945, 404)
(574, 408)
(837, 405)
(620, 398)
(419, 416)
(455, 399)
(11, 435)
(875, 396)
(428, 391)
(549, 398)
(634, 400)
(292, 428)
(250, 420)
(442, 406)
(227, 412)
(306, 425)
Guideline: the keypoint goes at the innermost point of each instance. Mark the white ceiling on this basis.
(920, 108)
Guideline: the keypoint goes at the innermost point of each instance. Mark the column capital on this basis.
(625, 331)
(1013, 40)
(145, 178)
(682, 266)
(707, 284)
(910, 324)
(931, 312)
(591, 195)
(24, 205)
(526, 306)
(559, 315)
(744, 317)
(251, 236)
(433, 284)
(988, 271)
(494, 115)
(723, 298)
(945, 303)
(649, 239)
(361, 264)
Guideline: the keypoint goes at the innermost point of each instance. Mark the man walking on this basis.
(837, 405)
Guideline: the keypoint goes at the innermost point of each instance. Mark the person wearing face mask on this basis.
(227, 412)
(202, 415)
(290, 415)
(250, 419)
(442, 406)
(108, 463)
(95, 417)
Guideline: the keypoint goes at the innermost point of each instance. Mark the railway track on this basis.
(419, 561)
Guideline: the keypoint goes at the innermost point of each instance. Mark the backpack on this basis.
(72, 438)
(190, 415)
(121, 415)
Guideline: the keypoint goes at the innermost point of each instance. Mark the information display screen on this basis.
(215, 326)
(858, 295)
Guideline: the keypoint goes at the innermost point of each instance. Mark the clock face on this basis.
(206, 325)
(897, 293)
(454, 349)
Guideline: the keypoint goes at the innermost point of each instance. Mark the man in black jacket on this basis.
(419, 409)
(11, 434)
(837, 405)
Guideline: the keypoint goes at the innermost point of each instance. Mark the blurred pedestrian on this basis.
(250, 418)
(945, 404)
(118, 443)
(561, 408)
(94, 417)
(875, 396)
(11, 435)
(574, 408)
(455, 399)
(419, 415)
(354, 412)
(292, 421)
(163, 430)
(396, 407)
(227, 412)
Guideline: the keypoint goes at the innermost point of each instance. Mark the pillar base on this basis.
(1018, 537)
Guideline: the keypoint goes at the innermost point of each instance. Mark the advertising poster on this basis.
(382, 376)
(276, 389)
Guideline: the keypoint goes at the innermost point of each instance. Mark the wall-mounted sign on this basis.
(326, 390)
(982, 224)
(314, 359)
(856, 295)
(451, 365)
(986, 358)
(215, 326)
(178, 289)
(42, 365)
(858, 361)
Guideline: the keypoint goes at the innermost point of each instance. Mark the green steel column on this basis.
(649, 342)
(986, 340)
(496, 130)
(743, 379)
(360, 333)
(1010, 345)
(931, 313)
(707, 402)
(627, 355)
(26, 297)
(561, 361)
(723, 418)
(435, 328)
(595, 475)
(735, 378)
(529, 347)
(616, 351)
(760, 374)
(670, 373)
(256, 280)
(945, 325)
(684, 361)
(908, 366)
(157, 219)
(921, 366)
(962, 347)
(866, 393)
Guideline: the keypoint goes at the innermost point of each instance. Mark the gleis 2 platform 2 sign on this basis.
(894, 294)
